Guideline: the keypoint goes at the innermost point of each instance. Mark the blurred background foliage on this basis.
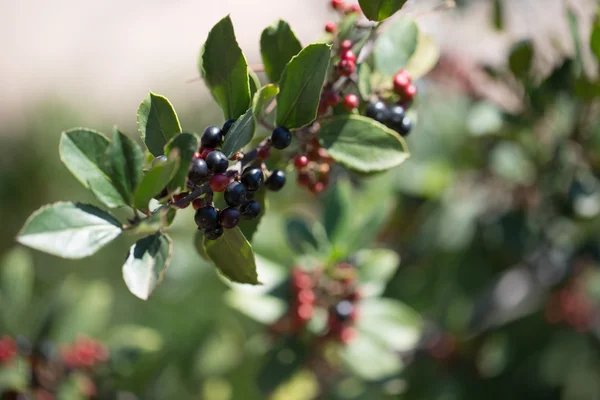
(497, 222)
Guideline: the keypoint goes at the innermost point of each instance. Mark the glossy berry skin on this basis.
(276, 181)
(229, 218)
(332, 98)
(405, 127)
(346, 67)
(205, 152)
(378, 111)
(253, 178)
(410, 93)
(212, 137)
(396, 115)
(330, 27)
(178, 197)
(348, 55)
(199, 172)
(351, 102)
(401, 82)
(300, 162)
(343, 310)
(206, 217)
(217, 162)
(281, 138)
(227, 126)
(250, 210)
(198, 203)
(219, 182)
(235, 194)
(346, 45)
(213, 233)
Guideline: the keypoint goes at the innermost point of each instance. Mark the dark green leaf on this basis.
(249, 228)
(378, 10)
(82, 151)
(362, 144)
(159, 219)
(234, 257)
(146, 264)
(337, 210)
(199, 244)
(521, 59)
(124, 164)
(225, 70)
(364, 80)
(375, 268)
(300, 236)
(394, 47)
(262, 99)
(157, 123)
(595, 39)
(240, 134)
(69, 230)
(278, 44)
(425, 57)
(281, 364)
(300, 86)
(155, 181)
(187, 144)
(254, 82)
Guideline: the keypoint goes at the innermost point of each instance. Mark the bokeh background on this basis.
(487, 221)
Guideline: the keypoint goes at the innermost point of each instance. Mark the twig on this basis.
(199, 191)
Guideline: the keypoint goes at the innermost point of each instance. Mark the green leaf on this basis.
(225, 70)
(369, 359)
(261, 100)
(16, 281)
(300, 86)
(157, 123)
(199, 244)
(365, 230)
(146, 264)
(338, 207)
(364, 80)
(395, 46)
(521, 59)
(300, 236)
(498, 15)
(82, 151)
(240, 134)
(278, 44)
(159, 219)
(281, 364)
(69, 230)
(362, 144)
(187, 144)
(262, 308)
(124, 160)
(595, 39)
(378, 10)
(234, 257)
(425, 57)
(155, 181)
(375, 269)
(347, 29)
(249, 228)
(254, 82)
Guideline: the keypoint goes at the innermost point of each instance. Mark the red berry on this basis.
(353, 8)
(300, 162)
(304, 179)
(346, 45)
(180, 196)
(301, 280)
(347, 333)
(264, 152)
(219, 182)
(332, 98)
(330, 27)
(197, 155)
(317, 187)
(351, 102)
(348, 55)
(355, 296)
(337, 4)
(306, 296)
(410, 92)
(401, 82)
(305, 312)
(346, 67)
(205, 152)
(198, 203)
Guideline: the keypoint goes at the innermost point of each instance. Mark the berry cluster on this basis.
(313, 167)
(210, 172)
(341, 7)
(8, 349)
(84, 353)
(335, 292)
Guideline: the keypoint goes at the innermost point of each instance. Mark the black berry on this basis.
(229, 218)
(235, 194)
(378, 111)
(206, 217)
(395, 116)
(211, 137)
(217, 162)
(214, 233)
(276, 180)
(405, 127)
(199, 171)
(164, 193)
(343, 310)
(250, 210)
(281, 138)
(227, 126)
(253, 178)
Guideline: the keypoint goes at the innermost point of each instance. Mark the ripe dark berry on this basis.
(346, 67)
(330, 27)
(396, 115)
(235, 194)
(253, 178)
(178, 197)
(229, 218)
(227, 126)
(217, 162)
(198, 171)
(159, 160)
(348, 55)
(346, 45)
(219, 182)
(276, 181)
(164, 193)
(281, 138)
(378, 111)
(213, 233)
(351, 102)
(300, 162)
(337, 4)
(211, 137)
(405, 127)
(206, 217)
(250, 210)
(198, 203)
(343, 310)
